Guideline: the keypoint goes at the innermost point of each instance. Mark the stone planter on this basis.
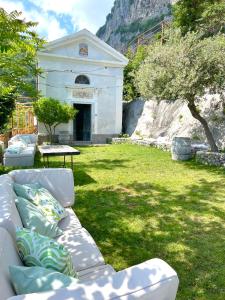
(64, 138)
(181, 148)
(43, 138)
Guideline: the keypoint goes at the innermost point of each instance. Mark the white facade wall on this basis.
(62, 65)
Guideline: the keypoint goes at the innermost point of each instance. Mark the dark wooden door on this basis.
(82, 122)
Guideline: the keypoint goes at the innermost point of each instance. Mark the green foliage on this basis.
(18, 46)
(130, 91)
(124, 135)
(190, 15)
(183, 69)
(213, 18)
(52, 112)
(7, 105)
(139, 26)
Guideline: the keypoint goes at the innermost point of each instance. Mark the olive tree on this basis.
(184, 69)
(52, 112)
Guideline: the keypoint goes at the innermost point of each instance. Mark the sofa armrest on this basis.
(151, 280)
(59, 182)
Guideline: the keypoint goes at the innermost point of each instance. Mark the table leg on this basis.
(64, 164)
(43, 160)
(47, 162)
(72, 162)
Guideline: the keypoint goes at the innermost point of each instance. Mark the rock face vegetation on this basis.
(128, 18)
(186, 64)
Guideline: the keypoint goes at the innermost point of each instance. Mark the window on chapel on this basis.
(82, 79)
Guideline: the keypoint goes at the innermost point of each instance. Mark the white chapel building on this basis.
(85, 72)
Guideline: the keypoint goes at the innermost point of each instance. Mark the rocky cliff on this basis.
(128, 18)
(164, 120)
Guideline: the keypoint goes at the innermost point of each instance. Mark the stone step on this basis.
(81, 143)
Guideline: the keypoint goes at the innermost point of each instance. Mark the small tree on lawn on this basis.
(51, 113)
(184, 69)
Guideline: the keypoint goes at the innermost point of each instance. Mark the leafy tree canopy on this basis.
(7, 105)
(52, 112)
(213, 18)
(18, 48)
(130, 91)
(184, 69)
(208, 15)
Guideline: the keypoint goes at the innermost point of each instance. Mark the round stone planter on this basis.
(181, 148)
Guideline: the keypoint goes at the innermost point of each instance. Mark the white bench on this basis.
(153, 279)
(26, 157)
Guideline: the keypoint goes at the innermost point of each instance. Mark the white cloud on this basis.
(11, 5)
(48, 26)
(89, 14)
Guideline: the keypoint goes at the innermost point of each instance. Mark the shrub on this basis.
(52, 112)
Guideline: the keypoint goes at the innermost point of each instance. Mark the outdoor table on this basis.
(57, 150)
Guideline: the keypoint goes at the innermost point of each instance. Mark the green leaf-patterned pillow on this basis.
(38, 250)
(41, 197)
(33, 218)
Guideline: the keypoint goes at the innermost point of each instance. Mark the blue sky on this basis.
(58, 18)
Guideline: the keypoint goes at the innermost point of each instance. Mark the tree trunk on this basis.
(49, 130)
(195, 113)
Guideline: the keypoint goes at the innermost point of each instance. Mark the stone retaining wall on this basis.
(211, 158)
(165, 146)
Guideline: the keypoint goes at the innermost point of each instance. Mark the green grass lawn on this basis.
(139, 204)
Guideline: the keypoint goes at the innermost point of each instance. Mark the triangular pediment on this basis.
(84, 45)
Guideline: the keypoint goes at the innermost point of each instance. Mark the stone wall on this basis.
(211, 158)
(143, 142)
(165, 120)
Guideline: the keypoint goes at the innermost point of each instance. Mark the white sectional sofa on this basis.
(25, 158)
(152, 280)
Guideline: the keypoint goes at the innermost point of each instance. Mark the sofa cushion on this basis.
(28, 151)
(59, 182)
(27, 280)
(95, 273)
(16, 148)
(27, 138)
(38, 250)
(8, 255)
(33, 218)
(9, 216)
(83, 249)
(70, 221)
(41, 197)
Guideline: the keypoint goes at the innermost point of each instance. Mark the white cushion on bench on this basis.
(8, 255)
(28, 151)
(82, 247)
(59, 182)
(71, 221)
(9, 216)
(96, 272)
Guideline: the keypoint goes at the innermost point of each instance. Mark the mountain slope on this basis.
(128, 18)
